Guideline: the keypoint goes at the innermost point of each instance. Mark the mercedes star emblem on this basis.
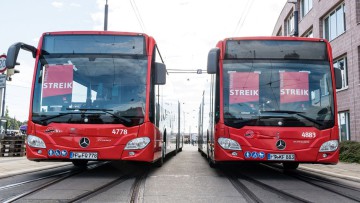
(280, 144)
(84, 142)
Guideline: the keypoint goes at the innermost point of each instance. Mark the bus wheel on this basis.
(290, 165)
(160, 162)
(212, 164)
(80, 163)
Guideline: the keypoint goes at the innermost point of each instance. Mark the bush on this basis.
(350, 151)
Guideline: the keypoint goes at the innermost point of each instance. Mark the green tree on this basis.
(12, 123)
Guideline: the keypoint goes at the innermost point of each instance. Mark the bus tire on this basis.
(80, 163)
(160, 161)
(290, 165)
(212, 163)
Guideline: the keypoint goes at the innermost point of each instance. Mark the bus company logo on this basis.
(249, 134)
(280, 144)
(52, 130)
(84, 142)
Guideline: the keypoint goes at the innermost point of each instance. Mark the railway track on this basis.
(136, 188)
(238, 180)
(341, 189)
(134, 194)
(55, 178)
(132, 181)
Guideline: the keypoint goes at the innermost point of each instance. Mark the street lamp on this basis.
(296, 17)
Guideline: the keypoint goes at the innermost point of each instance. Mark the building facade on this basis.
(338, 21)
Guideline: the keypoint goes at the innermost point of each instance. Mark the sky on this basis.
(185, 31)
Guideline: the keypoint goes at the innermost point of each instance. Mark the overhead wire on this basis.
(138, 16)
(243, 16)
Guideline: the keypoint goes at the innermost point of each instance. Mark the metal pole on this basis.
(106, 16)
(1, 101)
(296, 17)
(296, 21)
(3, 104)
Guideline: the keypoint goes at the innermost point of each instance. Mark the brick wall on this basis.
(346, 44)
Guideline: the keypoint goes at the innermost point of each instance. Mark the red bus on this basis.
(99, 95)
(270, 99)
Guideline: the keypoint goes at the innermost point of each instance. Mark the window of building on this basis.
(290, 24)
(344, 125)
(306, 6)
(334, 23)
(342, 64)
(309, 34)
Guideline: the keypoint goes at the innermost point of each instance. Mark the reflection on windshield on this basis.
(79, 82)
(264, 92)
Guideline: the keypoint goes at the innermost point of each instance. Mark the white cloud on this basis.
(57, 4)
(75, 5)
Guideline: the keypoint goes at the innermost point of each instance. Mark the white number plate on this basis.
(281, 157)
(84, 155)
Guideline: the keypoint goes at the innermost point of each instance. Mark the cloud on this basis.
(75, 5)
(57, 4)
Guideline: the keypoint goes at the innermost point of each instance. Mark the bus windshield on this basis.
(273, 92)
(93, 88)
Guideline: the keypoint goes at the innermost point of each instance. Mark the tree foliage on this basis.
(12, 123)
(350, 151)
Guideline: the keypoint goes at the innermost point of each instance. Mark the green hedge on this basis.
(350, 151)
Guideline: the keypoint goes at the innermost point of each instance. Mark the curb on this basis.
(333, 174)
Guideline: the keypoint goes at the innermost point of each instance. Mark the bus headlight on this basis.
(137, 143)
(329, 146)
(227, 143)
(34, 141)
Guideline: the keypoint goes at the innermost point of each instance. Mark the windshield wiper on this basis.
(122, 118)
(310, 119)
(43, 121)
(282, 111)
(298, 113)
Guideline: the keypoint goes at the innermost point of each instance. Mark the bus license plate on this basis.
(84, 155)
(281, 157)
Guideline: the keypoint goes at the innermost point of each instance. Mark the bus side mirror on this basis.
(338, 78)
(13, 53)
(213, 61)
(160, 74)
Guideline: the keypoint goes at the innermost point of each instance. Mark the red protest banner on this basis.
(58, 82)
(294, 87)
(244, 87)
